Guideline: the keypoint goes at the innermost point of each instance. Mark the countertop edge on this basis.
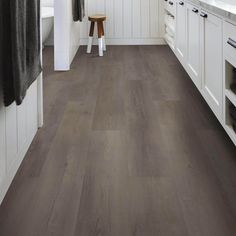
(216, 7)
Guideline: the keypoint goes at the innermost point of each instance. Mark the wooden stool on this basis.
(101, 36)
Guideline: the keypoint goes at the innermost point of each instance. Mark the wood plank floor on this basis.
(129, 148)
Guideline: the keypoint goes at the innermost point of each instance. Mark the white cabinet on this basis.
(2, 142)
(181, 30)
(170, 7)
(212, 61)
(169, 20)
(207, 49)
(193, 43)
(199, 48)
(229, 67)
(18, 125)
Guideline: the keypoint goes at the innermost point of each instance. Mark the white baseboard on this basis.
(154, 41)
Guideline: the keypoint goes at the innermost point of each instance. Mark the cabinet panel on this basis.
(212, 82)
(229, 35)
(2, 139)
(193, 43)
(21, 125)
(31, 112)
(11, 135)
(181, 30)
(18, 125)
(170, 7)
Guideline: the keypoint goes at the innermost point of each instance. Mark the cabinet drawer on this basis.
(170, 6)
(230, 39)
(165, 4)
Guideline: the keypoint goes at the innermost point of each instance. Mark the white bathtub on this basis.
(47, 22)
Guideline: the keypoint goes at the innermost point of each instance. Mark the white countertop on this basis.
(225, 8)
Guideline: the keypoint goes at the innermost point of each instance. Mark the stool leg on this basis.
(90, 41)
(100, 43)
(103, 38)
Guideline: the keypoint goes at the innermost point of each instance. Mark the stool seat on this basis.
(97, 18)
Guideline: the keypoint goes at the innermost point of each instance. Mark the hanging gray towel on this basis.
(21, 46)
(6, 68)
(78, 10)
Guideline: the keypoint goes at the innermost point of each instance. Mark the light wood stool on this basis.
(101, 35)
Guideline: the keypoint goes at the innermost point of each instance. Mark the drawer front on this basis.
(230, 39)
(165, 4)
(171, 6)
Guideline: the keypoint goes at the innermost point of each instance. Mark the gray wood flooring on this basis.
(129, 148)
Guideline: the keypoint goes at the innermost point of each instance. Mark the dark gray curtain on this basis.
(20, 43)
(78, 10)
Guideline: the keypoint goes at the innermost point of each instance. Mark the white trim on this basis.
(40, 80)
(40, 100)
(154, 41)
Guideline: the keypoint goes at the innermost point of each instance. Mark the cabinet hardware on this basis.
(165, 0)
(204, 15)
(231, 42)
(195, 10)
(171, 3)
(181, 3)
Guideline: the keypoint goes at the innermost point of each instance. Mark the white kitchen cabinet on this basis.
(2, 141)
(193, 43)
(170, 7)
(229, 65)
(18, 126)
(205, 44)
(181, 30)
(199, 48)
(212, 61)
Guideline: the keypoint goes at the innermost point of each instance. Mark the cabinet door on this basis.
(193, 43)
(2, 140)
(212, 72)
(181, 30)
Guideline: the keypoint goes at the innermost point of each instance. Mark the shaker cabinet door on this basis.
(193, 44)
(212, 63)
(181, 30)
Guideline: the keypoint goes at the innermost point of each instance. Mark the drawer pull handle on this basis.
(181, 3)
(195, 10)
(204, 15)
(231, 42)
(171, 3)
(165, 0)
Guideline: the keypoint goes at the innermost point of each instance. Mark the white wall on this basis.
(128, 21)
(66, 35)
(47, 3)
